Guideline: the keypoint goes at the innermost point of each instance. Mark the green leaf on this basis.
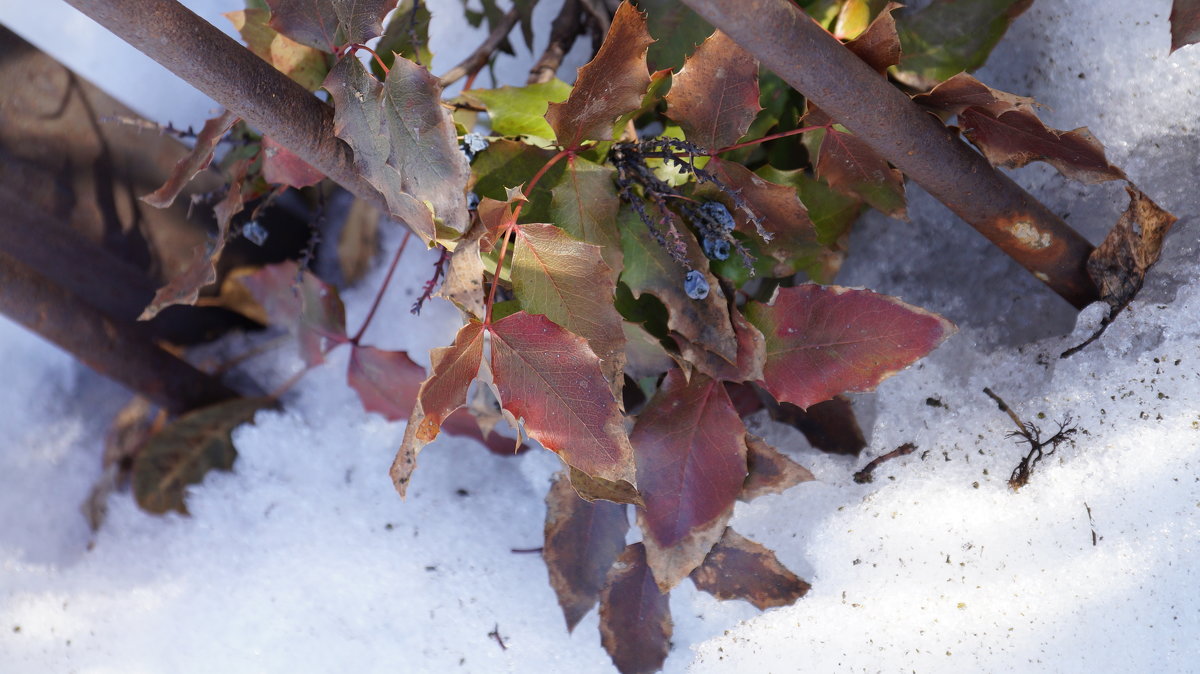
(186, 449)
(950, 36)
(676, 29)
(585, 204)
(521, 111)
(407, 34)
(832, 213)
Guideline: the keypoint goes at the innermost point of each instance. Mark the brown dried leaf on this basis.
(770, 471)
(195, 161)
(598, 489)
(715, 97)
(463, 284)
(1119, 264)
(1017, 137)
(964, 91)
(739, 568)
(751, 353)
(879, 44)
(583, 539)
(635, 617)
(609, 86)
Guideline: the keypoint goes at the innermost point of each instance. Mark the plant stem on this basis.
(383, 288)
(478, 58)
(351, 48)
(764, 139)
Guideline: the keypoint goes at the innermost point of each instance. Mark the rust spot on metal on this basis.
(1029, 235)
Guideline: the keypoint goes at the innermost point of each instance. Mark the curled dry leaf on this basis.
(598, 489)
(770, 472)
(964, 91)
(609, 86)
(739, 568)
(463, 284)
(826, 340)
(454, 368)
(1119, 264)
(715, 97)
(550, 379)
(635, 616)
(1017, 137)
(195, 161)
(691, 463)
(583, 539)
(358, 241)
(186, 449)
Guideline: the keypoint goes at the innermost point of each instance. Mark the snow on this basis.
(304, 559)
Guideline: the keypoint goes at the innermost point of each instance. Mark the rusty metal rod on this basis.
(232, 75)
(783, 38)
(116, 350)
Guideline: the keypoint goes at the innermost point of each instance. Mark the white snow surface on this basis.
(303, 559)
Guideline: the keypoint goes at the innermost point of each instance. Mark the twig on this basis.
(495, 634)
(865, 475)
(383, 288)
(563, 31)
(439, 268)
(480, 56)
(1032, 435)
(1011, 414)
(526, 551)
(1095, 538)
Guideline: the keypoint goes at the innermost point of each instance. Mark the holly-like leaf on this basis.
(566, 280)
(879, 44)
(201, 269)
(583, 539)
(770, 472)
(194, 162)
(281, 166)
(676, 29)
(1185, 23)
(506, 164)
(387, 382)
(850, 166)
(949, 36)
(585, 204)
(407, 34)
(454, 368)
(691, 462)
(360, 120)
(328, 24)
(825, 340)
(609, 86)
(551, 380)
(300, 62)
(964, 91)
(715, 97)
(635, 617)
(831, 213)
(1119, 264)
(186, 449)
(1017, 137)
(521, 111)
(751, 353)
(739, 568)
(650, 269)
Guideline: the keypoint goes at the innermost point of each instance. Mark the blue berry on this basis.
(255, 232)
(717, 212)
(695, 286)
(473, 144)
(717, 249)
(472, 201)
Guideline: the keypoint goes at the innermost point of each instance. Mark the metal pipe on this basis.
(787, 41)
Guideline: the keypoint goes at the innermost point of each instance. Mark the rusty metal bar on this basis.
(119, 351)
(232, 75)
(783, 38)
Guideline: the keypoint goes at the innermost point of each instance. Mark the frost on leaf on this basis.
(850, 166)
(454, 368)
(609, 86)
(551, 380)
(739, 568)
(770, 472)
(635, 616)
(826, 340)
(387, 382)
(186, 449)
(567, 281)
(691, 461)
(715, 97)
(195, 161)
(583, 539)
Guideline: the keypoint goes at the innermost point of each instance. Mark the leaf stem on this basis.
(773, 136)
(351, 48)
(382, 289)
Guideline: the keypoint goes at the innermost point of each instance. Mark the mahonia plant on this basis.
(627, 254)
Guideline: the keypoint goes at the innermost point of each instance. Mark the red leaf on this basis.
(195, 161)
(583, 539)
(715, 97)
(274, 288)
(964, 91)
(635, 617)
(454, 368)
(281, 166)
(770, 472)
(322, 323)
(327, 24)
(551, 380)
(691, 462)
(850, 166)
(879, 44)
(825, 340)
(387, 382)
(1017, 137)
(739, 568)
(611, 85)
(751, 353)
(1185, 23)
